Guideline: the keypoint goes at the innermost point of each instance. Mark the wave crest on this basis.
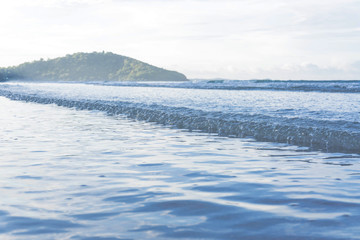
(320, 135)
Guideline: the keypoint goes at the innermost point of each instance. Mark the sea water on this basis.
(111, 161)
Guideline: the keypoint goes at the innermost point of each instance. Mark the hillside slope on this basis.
(90, 67)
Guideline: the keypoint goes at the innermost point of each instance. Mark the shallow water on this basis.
(324, 121)
(305, 105)
(352, 86)
(71, 174)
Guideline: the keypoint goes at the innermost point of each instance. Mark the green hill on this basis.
(90, 67)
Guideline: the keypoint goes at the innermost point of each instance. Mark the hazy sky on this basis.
(237, 39)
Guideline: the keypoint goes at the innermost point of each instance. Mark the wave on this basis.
(278, 85)
(316, 134)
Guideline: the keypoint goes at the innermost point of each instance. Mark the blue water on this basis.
(97, 161)
(324, 121)
(298, 85)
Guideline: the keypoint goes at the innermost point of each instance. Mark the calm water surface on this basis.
(70, 174)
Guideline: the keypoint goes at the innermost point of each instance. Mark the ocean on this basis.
(218, 159)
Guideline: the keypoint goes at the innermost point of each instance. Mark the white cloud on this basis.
(286, 72)
(202, 38)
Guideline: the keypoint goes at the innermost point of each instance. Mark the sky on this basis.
(233, 39)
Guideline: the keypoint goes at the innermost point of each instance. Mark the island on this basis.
(95, 66)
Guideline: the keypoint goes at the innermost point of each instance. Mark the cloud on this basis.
(305, 71)
(314, 72)
(229, 38)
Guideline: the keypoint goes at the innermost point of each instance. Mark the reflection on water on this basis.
(68, 174)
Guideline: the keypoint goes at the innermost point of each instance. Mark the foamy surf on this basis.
(316, 127)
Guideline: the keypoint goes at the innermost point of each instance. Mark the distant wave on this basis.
(315, 134)
(290, 85)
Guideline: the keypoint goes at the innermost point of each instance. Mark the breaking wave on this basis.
(316, 134)
(279, 85)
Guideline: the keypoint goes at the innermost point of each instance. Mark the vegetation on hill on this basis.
(90, 67)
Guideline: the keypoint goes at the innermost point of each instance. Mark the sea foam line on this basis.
(321, 136)
(277, 85)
